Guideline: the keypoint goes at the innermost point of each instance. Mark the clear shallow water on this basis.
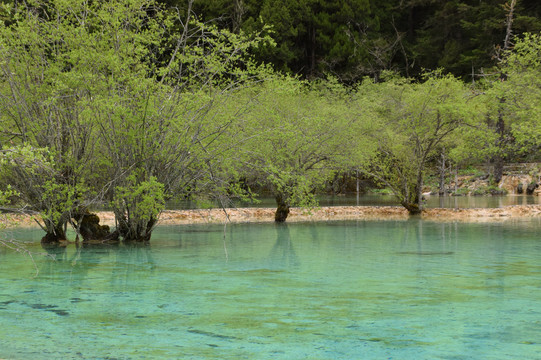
(337, 290)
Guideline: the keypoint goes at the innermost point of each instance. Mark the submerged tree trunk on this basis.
(134, 230)
(413, 207)
(55, 232)
(412, 200)
(282, 210)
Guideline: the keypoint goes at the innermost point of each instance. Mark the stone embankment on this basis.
(247, 215)
(511, 184)
(518, 178)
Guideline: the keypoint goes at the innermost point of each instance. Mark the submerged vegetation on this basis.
(131, 104)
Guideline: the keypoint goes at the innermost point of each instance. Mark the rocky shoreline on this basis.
(329, 213)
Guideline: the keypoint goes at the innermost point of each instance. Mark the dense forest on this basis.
(130, 104)
(351, 39)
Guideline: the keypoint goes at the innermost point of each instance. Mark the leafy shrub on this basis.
(489, 190)
(461, 192)
(383, 191)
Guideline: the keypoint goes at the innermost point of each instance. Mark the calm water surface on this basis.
(338, 290)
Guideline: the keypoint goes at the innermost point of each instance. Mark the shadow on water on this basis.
(79, 259)
(282, 254)
(69, 269)
(425, 242)
(443, 238)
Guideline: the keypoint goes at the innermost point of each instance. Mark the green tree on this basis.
(412, 120)
(46, 133)
(500, 114)
(522, 89)
(296, 138)
(127, 105)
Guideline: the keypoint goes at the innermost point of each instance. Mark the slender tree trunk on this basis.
(509, 25)
(498, 170)
(442, 191)
(419, 192)
(413, 200)
(313, 51)
(238, 12)
(500, 126)
(413, 207)
(498, 159)
(357, 184)
(282, 210)
(456, 178)
(55, 232)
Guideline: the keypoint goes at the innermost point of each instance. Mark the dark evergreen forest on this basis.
(351, 39)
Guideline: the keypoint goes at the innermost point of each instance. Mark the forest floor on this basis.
(329, 213)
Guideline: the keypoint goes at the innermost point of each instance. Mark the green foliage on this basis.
(511, 106)
(6, 194)
(488, 190)
(296, 189)
(33, 176)
(125, 97)
(471, 171)
(461, 192)
(383, 191)
(131, 104)
(294, 137)
(59, 200)
(137, 204)
(412, 119)
(523, 89)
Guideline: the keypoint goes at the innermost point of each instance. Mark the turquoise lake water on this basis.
(337, 290)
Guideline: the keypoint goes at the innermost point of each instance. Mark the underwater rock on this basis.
(50, 308)
(211, 334)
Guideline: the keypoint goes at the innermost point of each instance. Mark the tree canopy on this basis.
(131, 104)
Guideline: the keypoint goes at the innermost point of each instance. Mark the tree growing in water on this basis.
(34, 176)
(298, 137)
(46, 137)
(411, 120)
(124, 96)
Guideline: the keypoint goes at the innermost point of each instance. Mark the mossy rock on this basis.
(90, 228)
